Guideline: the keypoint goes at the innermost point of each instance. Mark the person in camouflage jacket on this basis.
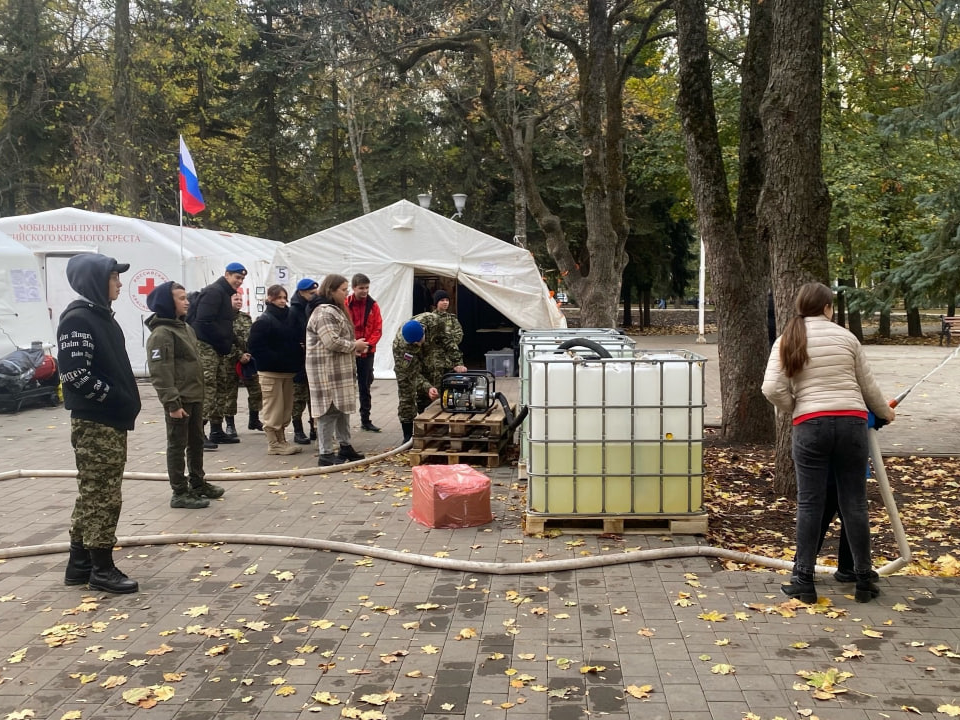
(423, 351)
(242, 322)
(441, 302)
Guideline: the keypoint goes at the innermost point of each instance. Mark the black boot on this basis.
(368, 426)
(298, 435)
(847, 575)
(866, 589)
(207, 490)
(328, 459)
(802, 588)
(218, 436)
(407, 428)
(313, 431)
(229, 428)
(188, 499)
(348, 453)
(105, 575)
(208, 444)
(78, 566)
(254, 423)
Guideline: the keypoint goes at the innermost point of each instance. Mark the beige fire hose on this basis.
(471, 566)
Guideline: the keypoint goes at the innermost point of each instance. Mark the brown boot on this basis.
(276, 444)
(282, 436)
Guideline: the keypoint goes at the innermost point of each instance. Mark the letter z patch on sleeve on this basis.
(155, 354)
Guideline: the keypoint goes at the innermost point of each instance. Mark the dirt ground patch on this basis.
(747, 515)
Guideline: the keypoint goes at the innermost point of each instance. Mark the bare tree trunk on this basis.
(519, 211)
(914, 327)
(740, 302)
(128, 191)
(335, 156)
(794, 205)
(355, 136)
(883, 326)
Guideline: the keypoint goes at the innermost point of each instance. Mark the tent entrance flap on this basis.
(484, 328)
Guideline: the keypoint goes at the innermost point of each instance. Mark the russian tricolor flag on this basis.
(189, 185)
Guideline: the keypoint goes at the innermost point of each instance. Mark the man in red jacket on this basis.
(367, 324)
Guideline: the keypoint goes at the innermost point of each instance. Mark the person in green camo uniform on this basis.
(245, 375)
(423, 351)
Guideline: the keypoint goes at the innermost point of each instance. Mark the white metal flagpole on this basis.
(703, 285)
(183, 264)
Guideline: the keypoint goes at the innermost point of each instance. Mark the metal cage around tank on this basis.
(614, 436)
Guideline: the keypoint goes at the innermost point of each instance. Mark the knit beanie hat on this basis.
(440, 295)
(412, 331)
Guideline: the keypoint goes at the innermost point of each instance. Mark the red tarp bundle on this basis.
(450, 496)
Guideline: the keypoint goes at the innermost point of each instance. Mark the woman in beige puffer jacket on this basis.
(818, 373)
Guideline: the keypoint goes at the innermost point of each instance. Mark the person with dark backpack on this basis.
(212, 321)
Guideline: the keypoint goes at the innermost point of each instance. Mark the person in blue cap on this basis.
(300, 314)
(423, 351)
(212, 321)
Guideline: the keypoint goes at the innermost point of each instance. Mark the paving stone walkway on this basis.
(243, 630)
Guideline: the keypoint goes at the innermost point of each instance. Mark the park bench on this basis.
(947, 326)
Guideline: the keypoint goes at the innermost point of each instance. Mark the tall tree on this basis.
(602, 43)
(794, 204)
(735, 257)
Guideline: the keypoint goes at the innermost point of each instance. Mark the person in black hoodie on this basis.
(177, 376)
(212, 321)
(276, 348)
(306, 291)
(101, 394)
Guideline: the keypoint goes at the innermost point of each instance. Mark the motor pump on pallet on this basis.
(473, 391)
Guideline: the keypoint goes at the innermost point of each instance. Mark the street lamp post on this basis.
(459, 203)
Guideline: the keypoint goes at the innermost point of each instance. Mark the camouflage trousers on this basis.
(214, 382)
(254, 393)
(301, 397)
(412, 402)
(101, 454)
(185, 435)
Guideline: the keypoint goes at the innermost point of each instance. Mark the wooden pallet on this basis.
(435, 421)
(617, 524)
(450, 438)
(459, 444)
(446, 457)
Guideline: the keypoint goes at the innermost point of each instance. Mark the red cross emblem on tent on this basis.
(142, 284)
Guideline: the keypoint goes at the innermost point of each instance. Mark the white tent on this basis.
(156, 253)
(24, 318)
(391, 244)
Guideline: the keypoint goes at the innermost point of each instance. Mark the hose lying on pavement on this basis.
(469, 566)
(210, 477)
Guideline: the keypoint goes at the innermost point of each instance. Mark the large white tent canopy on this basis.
(390, 245)
(156, 252)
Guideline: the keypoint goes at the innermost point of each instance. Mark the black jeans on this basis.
(831, 509)
(364, 381)
(185, 434)
(822, 444)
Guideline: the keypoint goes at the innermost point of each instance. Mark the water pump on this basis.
(468, 392)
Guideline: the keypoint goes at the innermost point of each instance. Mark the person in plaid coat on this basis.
(331, 366)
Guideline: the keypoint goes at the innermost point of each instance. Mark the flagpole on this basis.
(183, 265)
